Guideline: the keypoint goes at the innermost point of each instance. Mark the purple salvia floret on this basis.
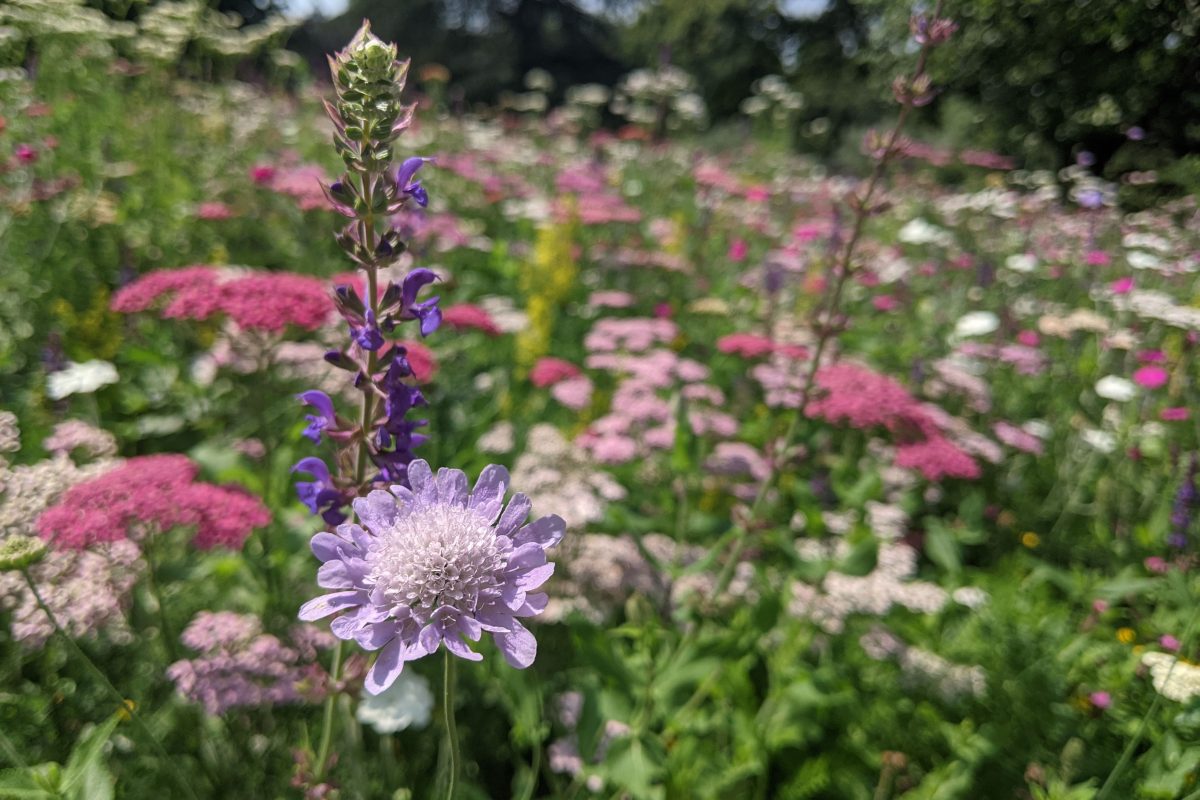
(323, 419)
(435, 565)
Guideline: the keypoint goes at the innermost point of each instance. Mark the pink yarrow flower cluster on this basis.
(862, 398)
(264, 301)
(152, 494)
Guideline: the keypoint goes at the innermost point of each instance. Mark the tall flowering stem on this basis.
(368, 118)
(126, 706)
(910, 91)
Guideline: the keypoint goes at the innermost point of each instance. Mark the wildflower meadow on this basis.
(627, 439)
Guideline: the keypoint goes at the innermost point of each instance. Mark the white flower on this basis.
(1173, 679)
(407, 703)
(1102, 441)
(1021, 262)
(976, 323)
(1140, 259)
(1039, 428)
(918, 231)
(1113, 387)
(970, 596)
(82, 378)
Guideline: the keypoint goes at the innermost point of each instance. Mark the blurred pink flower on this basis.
(885, 302)
(1100, 700)
(466, 316)
(1151, 377)
(1122, 285)
(1169, 642)
(1098, 258)
(549, 371)
(1156, 564)
(746, 345)
(1174, 414)
(1029, 338)
(738, 250)
(574, 393)
(213, 211)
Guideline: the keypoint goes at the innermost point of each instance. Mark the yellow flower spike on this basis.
(1126, 635)
(125, 712)
(1030, 539)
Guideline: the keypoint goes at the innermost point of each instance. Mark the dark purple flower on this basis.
(428, 312)
(325, 416)
(1135, 134)
(406, 184)
(367, 333)
(321, 496)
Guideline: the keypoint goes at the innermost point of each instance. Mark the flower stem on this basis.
(327, 716)
(360, 474)
(451, 729)
(121, 702)
(1127, 755)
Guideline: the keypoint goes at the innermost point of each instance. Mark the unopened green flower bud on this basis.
(19, 552)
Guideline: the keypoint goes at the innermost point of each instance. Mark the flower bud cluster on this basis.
(368, 117)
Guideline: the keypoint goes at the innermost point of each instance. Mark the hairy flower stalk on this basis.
(911, 91)
(432, 565)
(368, 117)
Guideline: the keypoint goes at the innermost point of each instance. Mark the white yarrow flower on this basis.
(1113, 387)
(976, 323)
(82, 378)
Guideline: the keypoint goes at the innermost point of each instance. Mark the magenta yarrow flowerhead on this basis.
(435, 565)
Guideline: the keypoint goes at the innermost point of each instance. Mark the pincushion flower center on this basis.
(439, 556)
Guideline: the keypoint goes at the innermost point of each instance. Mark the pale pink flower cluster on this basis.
(74, 435)
(239, 666)
(88, 593)
(874, 594)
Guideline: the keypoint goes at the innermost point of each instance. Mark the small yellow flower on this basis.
(1030, 539)
(125, 712)
(1126, 635)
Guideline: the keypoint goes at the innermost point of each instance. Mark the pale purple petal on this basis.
(488, 497)
(546, 531)
(534, 577)
(459, 648)
(326, 604)
(386, 669)
(452, 487)
(377, 510)
(514, 516)
(518, 646)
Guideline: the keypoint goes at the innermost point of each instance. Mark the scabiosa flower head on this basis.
(435, 565)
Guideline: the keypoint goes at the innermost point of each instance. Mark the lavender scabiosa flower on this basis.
(435, 565)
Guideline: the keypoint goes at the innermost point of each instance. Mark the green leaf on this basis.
(941, 546)
(86, 758)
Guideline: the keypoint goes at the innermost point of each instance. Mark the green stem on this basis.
(1127, 755)
(367, 230)
(165, 631)
(116, 695)
(327, 716)
(451, 729)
